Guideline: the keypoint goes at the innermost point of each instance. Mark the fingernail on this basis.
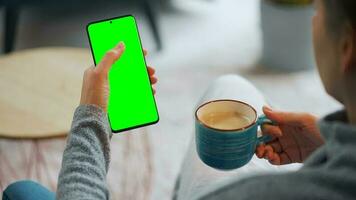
(267, 108)
(121, 46)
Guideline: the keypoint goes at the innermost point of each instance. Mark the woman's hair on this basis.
(338, 13)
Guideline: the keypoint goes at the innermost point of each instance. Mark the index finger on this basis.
(272, 130)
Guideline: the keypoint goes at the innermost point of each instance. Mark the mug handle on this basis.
(261, 121)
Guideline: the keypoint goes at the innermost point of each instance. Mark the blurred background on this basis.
(190, 43)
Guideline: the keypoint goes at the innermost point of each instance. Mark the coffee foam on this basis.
(226, 120)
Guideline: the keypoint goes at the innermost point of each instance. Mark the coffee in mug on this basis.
(226, 120)
(226, 133)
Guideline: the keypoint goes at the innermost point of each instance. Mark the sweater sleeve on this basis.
(86, 156)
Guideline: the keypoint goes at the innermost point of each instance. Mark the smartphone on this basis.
(131, 100)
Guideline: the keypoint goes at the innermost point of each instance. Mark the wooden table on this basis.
(40, 89)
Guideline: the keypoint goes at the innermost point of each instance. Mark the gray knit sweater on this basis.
(329, 173)
(86, 158)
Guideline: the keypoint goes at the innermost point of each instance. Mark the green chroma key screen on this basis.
(131, 101)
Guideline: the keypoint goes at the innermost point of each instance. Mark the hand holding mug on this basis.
(296, 136)
(226, 133)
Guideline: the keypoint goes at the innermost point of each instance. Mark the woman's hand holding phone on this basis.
(95, 88)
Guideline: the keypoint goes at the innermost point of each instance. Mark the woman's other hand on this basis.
(296, 136)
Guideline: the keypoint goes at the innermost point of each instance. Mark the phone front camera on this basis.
(110, 22)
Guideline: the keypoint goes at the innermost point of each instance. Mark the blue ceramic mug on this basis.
(226, 133)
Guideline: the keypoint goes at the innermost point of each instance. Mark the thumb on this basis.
(110, 58)
(281, 117)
